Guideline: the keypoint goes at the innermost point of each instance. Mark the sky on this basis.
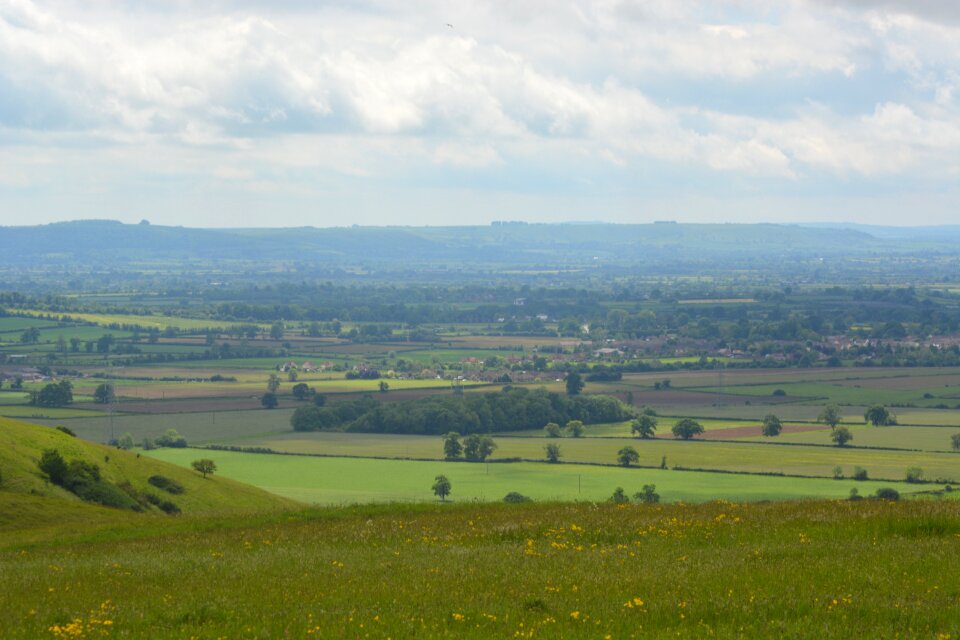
(429, 112)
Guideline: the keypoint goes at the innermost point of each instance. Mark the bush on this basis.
(859, 473)
(779, 393)
(53, 466)
(647, 494)
(67, 431)
(515, 498)
(887, 493)
(619, 497)
(838, 473)
(172, 439)
(914, 474)
(100, 492)
(164, 505)
(166, 484)
(125, 442)
(855, 495)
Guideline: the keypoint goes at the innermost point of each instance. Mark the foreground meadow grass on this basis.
(808, 569)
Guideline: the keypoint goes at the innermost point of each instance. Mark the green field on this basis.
(17, 325)
(147, 322)
(925, 438)
(848, 395)
(726, 456)
(45, 413)
(352, 480)
(197, 428)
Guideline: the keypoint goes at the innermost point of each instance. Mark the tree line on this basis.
(511, 409)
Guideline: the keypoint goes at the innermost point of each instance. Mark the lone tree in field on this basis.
(627, 456)
(269, 400)
(383, 386)
(104, 393)
(687, 428)
(574, 383)
(477, 448)
(771, 425)
(553, 452)
(452, 449)
(879, 416)
(830, 415)
(575, 428)
(204, 466)
(273, 383)
(841, 436)
(441, 487)
(644, 427)
(301, 391)
(552, 430)
(955, 441)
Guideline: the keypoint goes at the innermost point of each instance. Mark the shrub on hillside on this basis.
(516, 498)
(164, 505)
(83, 480)
(167, 484)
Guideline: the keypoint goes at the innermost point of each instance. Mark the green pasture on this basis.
(754, 457)
(147, 322)
(13, 324)
(779, 377)
(664, 425)
(351, 480)
(83, 332)
(197, 428)
(13, 397)
(50, 413)
(906, 437)
(807, 412)
(844, 394)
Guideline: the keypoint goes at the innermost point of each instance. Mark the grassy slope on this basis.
(792, 570)
(29, 500)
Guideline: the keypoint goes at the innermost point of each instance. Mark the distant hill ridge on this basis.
(97, 241)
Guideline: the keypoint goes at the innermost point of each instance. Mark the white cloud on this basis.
(278, 94)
